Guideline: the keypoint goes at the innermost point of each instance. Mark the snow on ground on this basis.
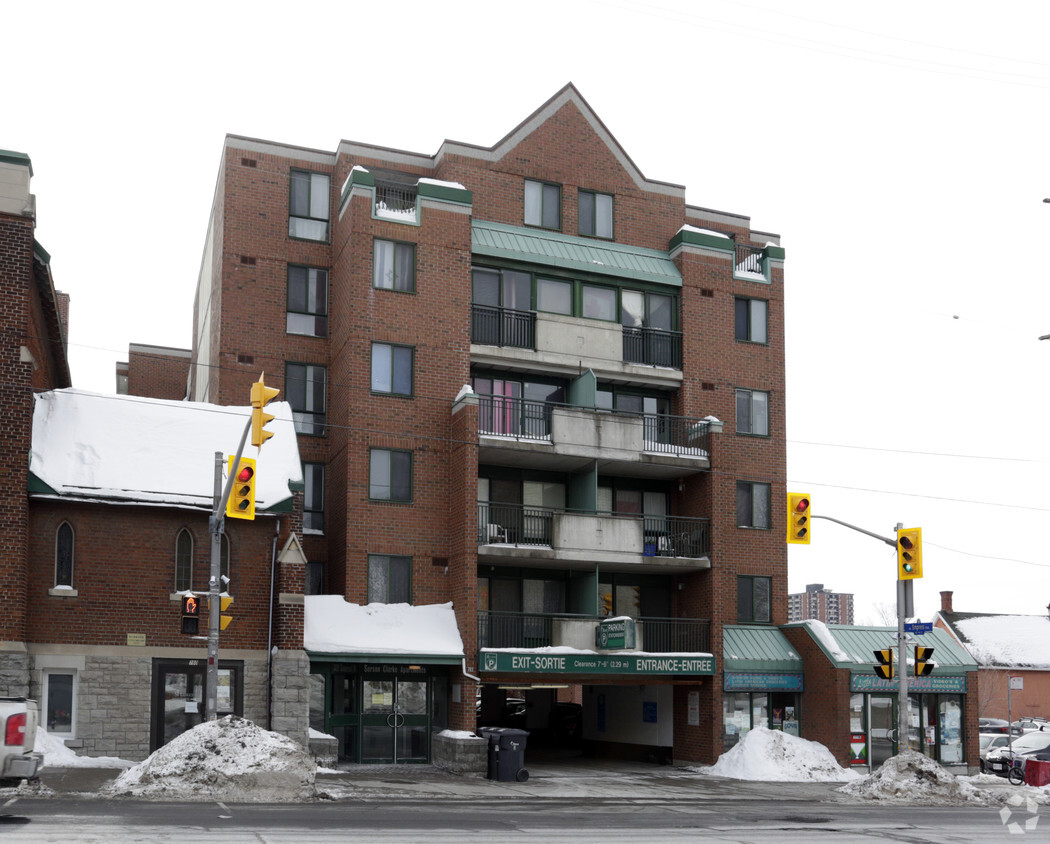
(773, 756)
(228, 759)
(57, 755)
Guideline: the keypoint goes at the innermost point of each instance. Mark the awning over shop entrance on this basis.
(759, 658)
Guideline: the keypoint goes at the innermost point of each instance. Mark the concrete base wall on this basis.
(460, 755)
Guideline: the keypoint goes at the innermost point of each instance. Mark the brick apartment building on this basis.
(821, 604)
(527, 380)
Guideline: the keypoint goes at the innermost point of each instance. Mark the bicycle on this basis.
(1015, 774)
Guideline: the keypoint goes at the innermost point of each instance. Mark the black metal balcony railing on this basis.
(748, 258)
(395, 198)
(676, 536)
(652, 346)
(677, 435)
(514, 417)
(494, 326)
(514, 524)
(536, 630)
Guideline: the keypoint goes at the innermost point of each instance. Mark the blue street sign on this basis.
(918, 627)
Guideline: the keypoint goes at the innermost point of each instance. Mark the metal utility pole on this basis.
(903, 587)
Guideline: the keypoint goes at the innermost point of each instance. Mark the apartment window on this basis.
(313, 498)
(389, 579)
(599, 302)
(183, 561)
(59, 698)
(595, 214)
(307, 301)
(390, 475)
(304, 385)
(308, 205)
(392, 369)
(394, 266)
(751, 320)
(752, 412)
(553, 296)
(542, 205)
(752, 505)
(753, 599)
(64, 555)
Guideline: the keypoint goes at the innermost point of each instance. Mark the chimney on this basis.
(946, 602)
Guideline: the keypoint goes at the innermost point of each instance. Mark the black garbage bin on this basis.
(506, 753)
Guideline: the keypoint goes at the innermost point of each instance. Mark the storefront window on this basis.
(736, 717)
(760, 709)
(950, 721)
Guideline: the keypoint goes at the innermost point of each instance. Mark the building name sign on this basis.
(763, 682)
(932, 683)
(502, 662)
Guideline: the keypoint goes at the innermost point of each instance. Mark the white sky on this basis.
(899, 149)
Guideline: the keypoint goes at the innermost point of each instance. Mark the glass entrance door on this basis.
(394, 719)
(882, 729)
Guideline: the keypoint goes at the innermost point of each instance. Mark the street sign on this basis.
(918, 627)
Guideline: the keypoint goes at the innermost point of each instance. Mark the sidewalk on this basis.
(561, 779)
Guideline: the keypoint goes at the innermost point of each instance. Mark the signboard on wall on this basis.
(762, 682)
(932, 683)
(503, 662)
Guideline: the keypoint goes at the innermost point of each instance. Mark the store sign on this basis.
(930, 684)
(582, 663)
(763, 682)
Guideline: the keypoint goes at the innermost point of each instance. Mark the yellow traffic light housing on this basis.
(909, 553)
(261, 396)
(242, 494)
(224, 603)
(923, 665)
(798, 518)
(884, 663)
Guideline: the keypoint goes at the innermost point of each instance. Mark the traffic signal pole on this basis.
(216, 526)
(903, 589)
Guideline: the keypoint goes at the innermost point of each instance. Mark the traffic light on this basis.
(923, 666)
(224, 603)
(261, 395)
(909, 553)
(884, 666)
(798, 518)
(242, 495)
(191, 614)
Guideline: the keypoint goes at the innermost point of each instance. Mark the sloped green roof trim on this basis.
(8, 156)
(282, 506)
(688, 237)
(41, 253)
(578, 254)
(446, 193)
(38, 487)
(758, 649)
(853, 647)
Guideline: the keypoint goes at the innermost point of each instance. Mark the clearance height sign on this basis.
(581, 663)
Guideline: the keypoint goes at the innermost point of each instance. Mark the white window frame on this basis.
(45, 690)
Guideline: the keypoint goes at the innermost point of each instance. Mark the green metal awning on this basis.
(848, 646)
(758, 649)
(577, 254)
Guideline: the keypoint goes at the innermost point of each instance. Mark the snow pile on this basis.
(773, 756)
(229, 759)
(57, 755)
(910, 776)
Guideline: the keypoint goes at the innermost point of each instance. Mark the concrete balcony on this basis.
(511, 534)
(541, 435)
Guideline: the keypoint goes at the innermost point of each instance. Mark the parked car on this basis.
(1030, 724)
(1033, 745)
(989, 742)
(18, 760)
(993, 725)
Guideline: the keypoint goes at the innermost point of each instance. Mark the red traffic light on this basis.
(245, 474)
(802, 505)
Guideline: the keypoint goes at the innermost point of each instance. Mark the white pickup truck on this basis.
(18, 722)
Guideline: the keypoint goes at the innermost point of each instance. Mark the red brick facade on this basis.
(244, 284)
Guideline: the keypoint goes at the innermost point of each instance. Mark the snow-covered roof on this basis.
(333, 625)
(129, 449)
(1005, 641)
